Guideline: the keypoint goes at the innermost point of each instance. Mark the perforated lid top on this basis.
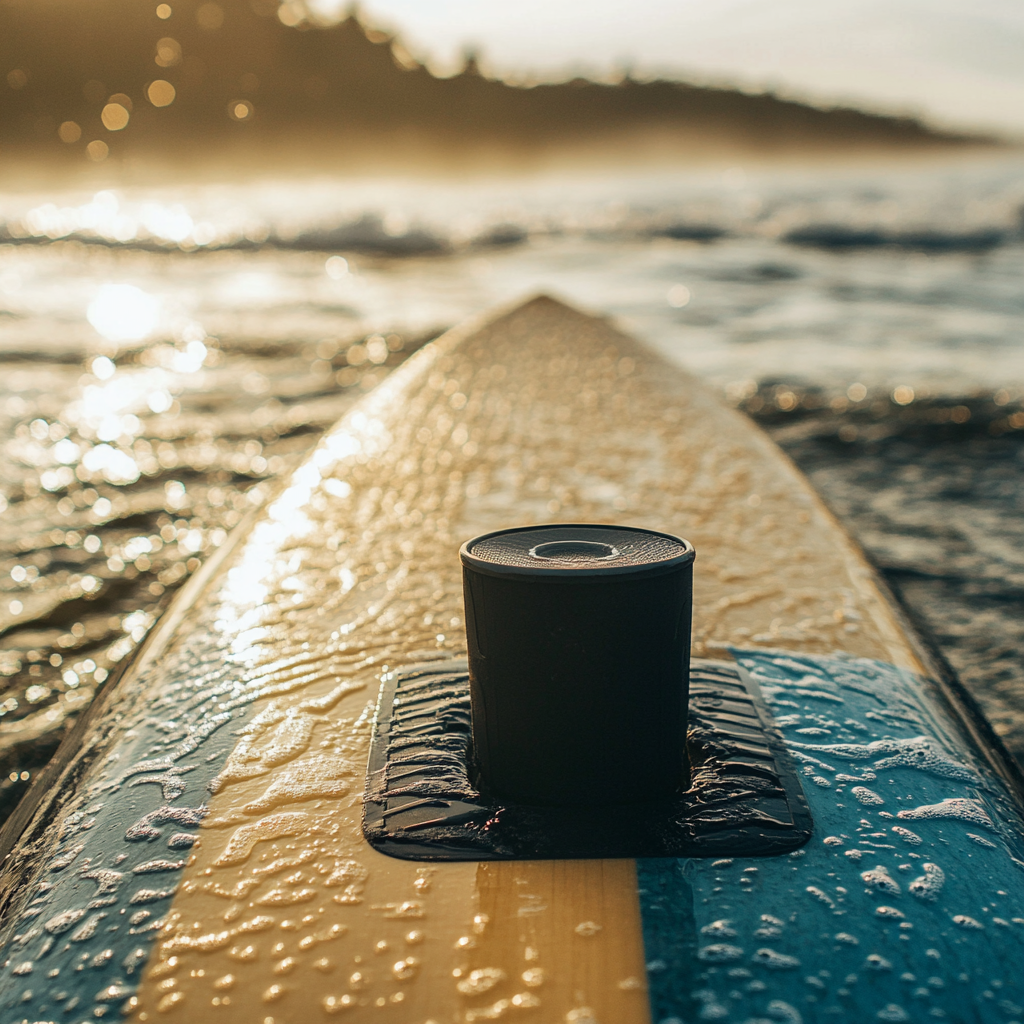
(575, 549)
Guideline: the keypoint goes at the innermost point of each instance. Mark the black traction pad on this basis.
(422, 801)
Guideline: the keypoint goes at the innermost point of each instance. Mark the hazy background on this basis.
(957, 63)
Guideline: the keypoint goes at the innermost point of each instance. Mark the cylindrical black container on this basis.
(579, 656)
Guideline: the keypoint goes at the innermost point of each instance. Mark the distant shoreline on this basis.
(231, 82)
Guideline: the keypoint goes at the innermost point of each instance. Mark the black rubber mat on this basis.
(423, 801)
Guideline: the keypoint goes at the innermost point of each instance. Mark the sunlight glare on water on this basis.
(124, 312)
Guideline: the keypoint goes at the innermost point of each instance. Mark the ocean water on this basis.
(168, 349)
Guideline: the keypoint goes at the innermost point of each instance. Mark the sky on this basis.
(957, 63)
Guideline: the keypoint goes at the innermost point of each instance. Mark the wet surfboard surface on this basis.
(202, 854)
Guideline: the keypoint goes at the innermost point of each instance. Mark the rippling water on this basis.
(168, 351)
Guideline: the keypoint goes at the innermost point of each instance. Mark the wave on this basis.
(366, 235)
(684, 232)
(929, 240)
(121, 222)
(875, 416)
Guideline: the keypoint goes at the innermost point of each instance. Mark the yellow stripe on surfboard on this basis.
(298, 918)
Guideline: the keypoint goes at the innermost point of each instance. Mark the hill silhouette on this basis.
(193, 78)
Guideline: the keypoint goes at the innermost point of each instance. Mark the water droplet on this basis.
(406, 969)
(275, 826)
(719, 930)
(525, 1001)
(880, 879)
(866, 797)
(929, 885)
(118, 990)
(967, 922)
(153, 866)
(273, 993)
(480, 981)
(892, 1012)
(169, 1001)
(774, 961)
(784, 1012)
(907, 836)
(982, 841)
(333, 1004)
(151, 895)
(919, 752)
(410, 908)
(720, 953)
(960, 808)
(62, 922)
(135, 959)
(820, 896)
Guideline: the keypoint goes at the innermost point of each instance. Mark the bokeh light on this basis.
(240, 110)
(163, 11)
(69, 132)
(168, 52)
(336, 267)
(678, 296)
(123, 312)
(103, 368)
(114, 117)
(97, 150)
(160, 93)
(291, 13)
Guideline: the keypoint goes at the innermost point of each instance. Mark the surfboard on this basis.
(197, 850)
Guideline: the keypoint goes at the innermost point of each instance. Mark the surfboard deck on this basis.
(201, 853)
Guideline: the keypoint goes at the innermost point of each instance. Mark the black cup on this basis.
(579, 654)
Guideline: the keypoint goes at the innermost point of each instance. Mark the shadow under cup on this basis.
(579, 652)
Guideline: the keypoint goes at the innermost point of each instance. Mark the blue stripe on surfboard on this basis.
(75, 941)
(936, 935)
